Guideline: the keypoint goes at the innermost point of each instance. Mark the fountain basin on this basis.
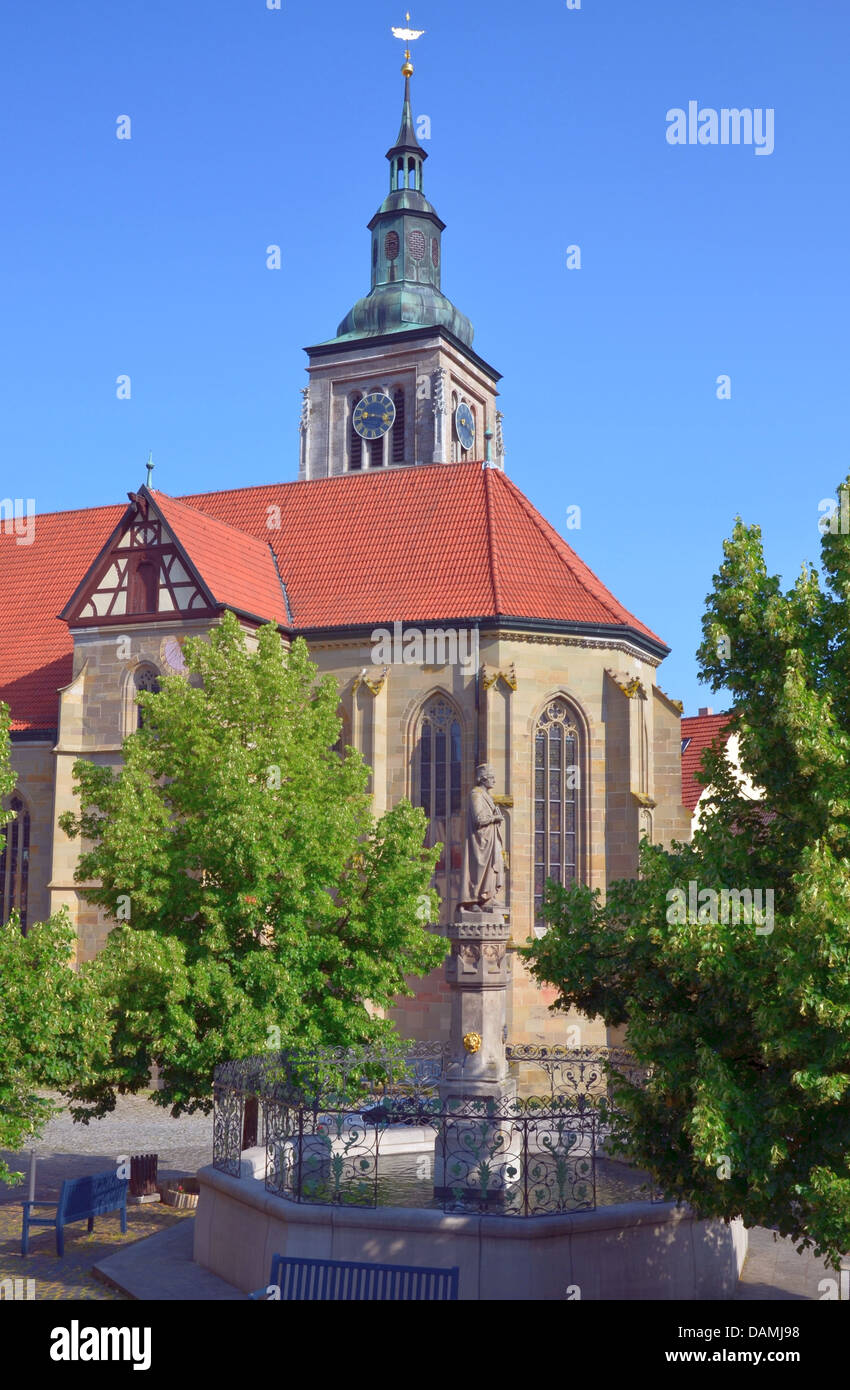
(634, 1251)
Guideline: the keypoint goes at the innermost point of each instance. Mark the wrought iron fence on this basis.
(376, 1127)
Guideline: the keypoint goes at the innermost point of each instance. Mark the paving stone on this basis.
(161, 1268)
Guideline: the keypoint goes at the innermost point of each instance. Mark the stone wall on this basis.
(622, 727)
(411, 364)
(32, 761)
(629, 759)
(638, 1251)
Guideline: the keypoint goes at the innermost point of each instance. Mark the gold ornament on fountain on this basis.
(408, 36)
(472, 1041)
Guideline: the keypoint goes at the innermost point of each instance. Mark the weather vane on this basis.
(407, 35)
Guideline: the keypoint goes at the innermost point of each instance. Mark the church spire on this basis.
(406, 244)
(407, 143)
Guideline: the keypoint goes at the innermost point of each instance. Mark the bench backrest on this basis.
(92, 1196)
(338, 1281)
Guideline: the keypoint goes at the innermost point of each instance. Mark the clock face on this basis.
(465, 425)
(374, 415)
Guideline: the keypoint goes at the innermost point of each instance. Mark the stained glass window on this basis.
(145, 678)
(439, 763)
(556, 791)
(14, 864)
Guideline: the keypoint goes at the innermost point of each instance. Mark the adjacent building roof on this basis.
(440, 543)
(699, 731)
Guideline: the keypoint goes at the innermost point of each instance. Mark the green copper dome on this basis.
(406, 254)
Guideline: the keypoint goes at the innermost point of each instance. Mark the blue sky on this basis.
(253, 126)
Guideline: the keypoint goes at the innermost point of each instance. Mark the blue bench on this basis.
(338, 1281)
(81, 1199)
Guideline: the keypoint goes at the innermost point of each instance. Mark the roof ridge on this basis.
(281, 581)
(215, 520)
(390, 472)
(494, 566)
(75, 511)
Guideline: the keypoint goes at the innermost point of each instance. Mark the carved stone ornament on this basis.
(478, 931)
(490, 675)
(494, 954)
(469, 954)
(375, 686)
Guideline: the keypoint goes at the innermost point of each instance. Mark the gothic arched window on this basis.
(145, 678)
(456, 450)
(438, 764)
(398, 426)
(557, 791)
(15, 863)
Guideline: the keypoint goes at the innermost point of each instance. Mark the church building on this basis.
(459, 625)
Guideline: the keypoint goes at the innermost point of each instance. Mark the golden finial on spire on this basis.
(408, 35)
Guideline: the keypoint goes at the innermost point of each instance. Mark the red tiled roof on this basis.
(415, 545)
(435, 543)
(36, 582)
(701, 730)
(238, 570)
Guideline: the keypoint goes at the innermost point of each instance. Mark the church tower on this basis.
(400, 385)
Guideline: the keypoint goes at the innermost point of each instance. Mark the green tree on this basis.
(745, 1023)
(257, 901)
(52, 1030)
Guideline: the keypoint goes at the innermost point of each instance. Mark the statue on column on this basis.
(483, 876)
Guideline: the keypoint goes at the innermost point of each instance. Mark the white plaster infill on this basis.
(636, 1251)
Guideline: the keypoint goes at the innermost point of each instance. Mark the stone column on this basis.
(439, 407)
(476, 1088)
(476, 971)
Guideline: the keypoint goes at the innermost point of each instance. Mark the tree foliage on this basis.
(256, 899)
(52, 1031)
(745, 1023)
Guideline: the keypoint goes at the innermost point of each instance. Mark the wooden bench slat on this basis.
(307, 1280)
(81, 1199)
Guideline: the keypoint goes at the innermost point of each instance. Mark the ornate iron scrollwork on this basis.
(332, 1119)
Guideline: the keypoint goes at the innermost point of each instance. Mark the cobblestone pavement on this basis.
(69, 1150)
(774, 1270)
(135, 1126)
(70, 1277)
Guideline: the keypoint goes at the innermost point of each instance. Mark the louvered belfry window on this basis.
(14, 864)
(556, 800)
(398, 427)
(355, 443)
